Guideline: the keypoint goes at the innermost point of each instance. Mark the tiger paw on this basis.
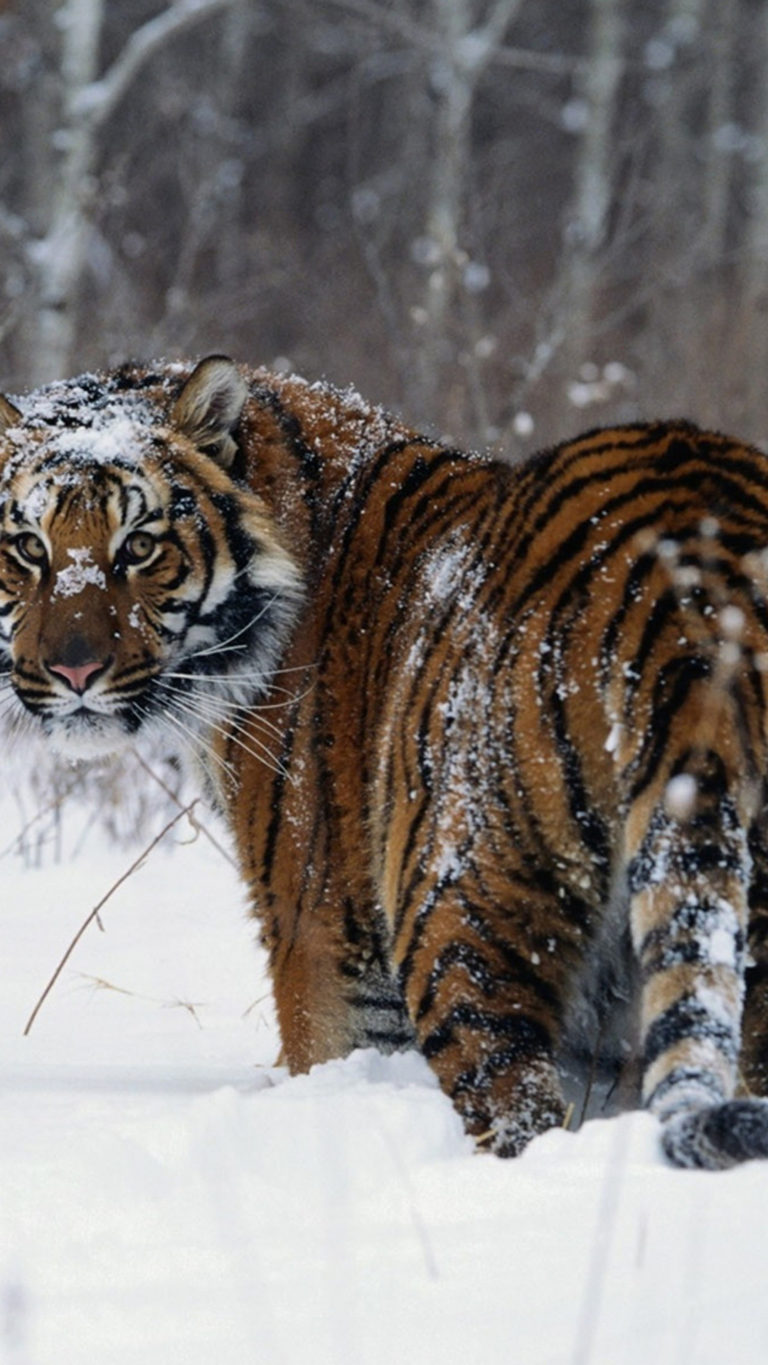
(509, 1133)
(717, 1137)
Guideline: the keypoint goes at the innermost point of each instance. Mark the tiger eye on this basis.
(31, 548)
(139, 546)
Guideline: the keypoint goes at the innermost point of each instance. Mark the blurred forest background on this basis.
(507, 219)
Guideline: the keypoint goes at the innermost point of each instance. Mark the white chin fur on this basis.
(98, 739)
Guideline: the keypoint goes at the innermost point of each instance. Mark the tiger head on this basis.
(139, 580)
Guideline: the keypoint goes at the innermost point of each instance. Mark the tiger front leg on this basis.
(484, 989)
(333, 984)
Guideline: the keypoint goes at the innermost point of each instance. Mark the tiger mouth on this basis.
(87, 726)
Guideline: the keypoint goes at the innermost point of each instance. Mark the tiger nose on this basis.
(77, 677)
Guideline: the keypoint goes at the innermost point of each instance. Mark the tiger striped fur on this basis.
(491, 741)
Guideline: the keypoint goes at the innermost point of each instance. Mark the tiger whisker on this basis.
(8, 702)
(204, 751)
(169, 681)
(235, 678)
(252, 704)
(216, 708)
(261, 752)
(221, 710)
(225, 646)
(20, 721)
(204, 715)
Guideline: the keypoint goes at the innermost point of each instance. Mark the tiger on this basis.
(490, 737)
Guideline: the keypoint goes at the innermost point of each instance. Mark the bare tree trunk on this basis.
(211, 191)
(464, 53)
(754, 289)
(675, 223)
(586, 225)
(86, 104)
(720, 115)
(712, 294)
(690, 314)
(58, 257)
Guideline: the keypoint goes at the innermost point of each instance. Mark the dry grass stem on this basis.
(99, 983)
(196, 823)
(94, 915)
(259, 1001)
(18, 840)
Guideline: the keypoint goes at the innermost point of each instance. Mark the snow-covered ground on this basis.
(168, 1195)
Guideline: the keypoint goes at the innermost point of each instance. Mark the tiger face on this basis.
(139, 582)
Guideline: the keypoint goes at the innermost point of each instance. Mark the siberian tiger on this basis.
(478, 730)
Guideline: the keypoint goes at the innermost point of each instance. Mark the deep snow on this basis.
(168, 1194)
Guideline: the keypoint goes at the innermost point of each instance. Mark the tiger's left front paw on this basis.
(719, 1136)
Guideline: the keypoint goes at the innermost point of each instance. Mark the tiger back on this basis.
(509, 736)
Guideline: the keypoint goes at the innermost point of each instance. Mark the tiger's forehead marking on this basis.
(90, 496)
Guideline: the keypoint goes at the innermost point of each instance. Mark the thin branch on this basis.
(547, 63)
(95, 912)
(18, 840)
(387, 18)
(98, 983)
(171, 794)
(551, 63)
(502, 14)
(97, 101)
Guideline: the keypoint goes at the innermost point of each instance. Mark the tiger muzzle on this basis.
(77, 663)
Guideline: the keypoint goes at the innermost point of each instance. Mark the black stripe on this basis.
(525, 1038)
(519, 976)
(687, 1020)
(531, 1044)
(674, 681)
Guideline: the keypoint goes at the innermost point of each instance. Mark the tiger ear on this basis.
(9, 415)
(209, 406)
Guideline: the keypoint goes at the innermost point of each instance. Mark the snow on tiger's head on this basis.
(139, 579)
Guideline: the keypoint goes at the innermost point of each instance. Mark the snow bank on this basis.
(169, 1194)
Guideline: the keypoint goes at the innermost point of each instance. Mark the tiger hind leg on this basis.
(484, 1005)
(689, 878)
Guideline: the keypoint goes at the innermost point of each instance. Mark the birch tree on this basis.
(87, 102)
(463, 50)
(754, 270)
(684, 293)
(586, 222)
(57, 258)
